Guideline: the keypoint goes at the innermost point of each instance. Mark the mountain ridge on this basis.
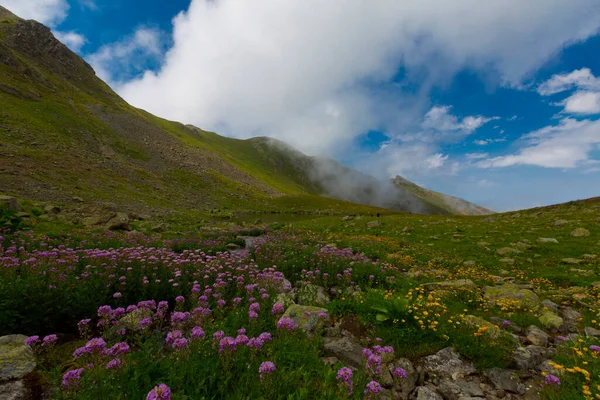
(67, 134)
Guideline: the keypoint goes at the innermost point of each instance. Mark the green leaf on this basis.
(382, 317)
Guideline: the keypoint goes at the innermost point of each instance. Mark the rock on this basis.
(345, 349)
(347, 218)
(424, 393)
(570, 314)
(477, 322)
(507, 260)
(570, 261)
(560, 222)
(447, 363)
(523, 246)
(412, 376)
(131, 321)
(590, 256)
(580, 232)
(14, 390)
(459, 390)
(469, 263)
(158, 228)
(529, 357)
(536, 336)
(504, 379)
(78, 199)
(550, 305)
(312, 295)
(526, 298)
(507, 250)
(547, 240)
(406, 229)
(550, 320)
(232, 246)
(16, 358)
(50, 209)
(307, 317)
(548, 367)
(119, 222)
(591, 332)
(10, 203)
(373, 224)
(451, 285)
(285, 298)
(482, 244)
(23, 215)
(489, 219)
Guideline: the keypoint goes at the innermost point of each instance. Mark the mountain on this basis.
(66, 134)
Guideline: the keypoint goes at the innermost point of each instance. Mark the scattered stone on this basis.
(580, 232)
(412, 376)
(536, 336)
(10, 203)
(23, 215)
(572, 261)
(483, 244)
(233, 246)
(78, 199)
(446, 364)
(590, 256)
(550, 305)
(308, 318)
(523, 246)
(345, 349)
(374, 224)
(159, 228)
(548, 367)
(469, 263)
(551, 321)
(504, 379)
(525, 297)
(507, 250)
(547, 240)
(424, 393)
(507, 260)
(477, 322)
(406, 229)
(14, 390)
(560, 222)
(119, 222)
(591, 332)
(451, 285)
(16, 358)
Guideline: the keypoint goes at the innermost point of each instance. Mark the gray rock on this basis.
(307, 317)
(51, 209)
(16, 358)
(119, 222)
(526, 297)
(469, 263)
(78, 199)
(10, 203)
(14, 390)
(529, 357)
(424, 393)
(570, 260)
(507, 260)
(591, 332)
(447, 363)
(536, 336)
(550, 305)
(560, 222)
(507, 250)
(312, 295)
(590, 256)
(346, 349)
(408, 384)
(158, 228)
(547, 240)
(451, 285)
(373, 224)
(580, 232)
(504, 379)
(233, 246)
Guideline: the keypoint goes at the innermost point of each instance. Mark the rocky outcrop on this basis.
(10, 203)
(16, 361)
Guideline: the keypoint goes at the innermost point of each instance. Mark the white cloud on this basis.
(582, 103)
(476, 156)
(513, 118)
(439, 119)
(48, 12)
(579, 78)
(485, 142)
(122, 58)
(566, 145)
(72, 40)
(303, 71)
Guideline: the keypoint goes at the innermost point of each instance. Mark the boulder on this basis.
(477, 322)
(52, 209)
(550, 320)
(507, 250)
(560, 222)
(312, 295)
(525, 358)
(346, 349)
(447, 364)
(408, 384)
(16, 358)
(525, 297)
(119, 222)
(591, 332)
(308, 318)
(10, 203)
(451, 285)
(425, 393)
(550, 305)
(14, 390)
(580, 232)
(536, 336)
(373, 224)
(547, 240)
(504, 379)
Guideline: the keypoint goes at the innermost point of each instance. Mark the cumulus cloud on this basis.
(121, 59)
(579, 78)
(72, 40)
(566, 145)
(476, 156)
(306, 72)
(582, 103)
(48, 12)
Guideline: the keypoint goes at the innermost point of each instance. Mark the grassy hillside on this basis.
(66, 134)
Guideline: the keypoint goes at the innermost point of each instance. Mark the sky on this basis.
(497, 102)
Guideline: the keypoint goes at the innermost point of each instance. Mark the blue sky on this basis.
(496, 102)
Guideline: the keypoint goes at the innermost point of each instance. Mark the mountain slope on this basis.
(65, 133)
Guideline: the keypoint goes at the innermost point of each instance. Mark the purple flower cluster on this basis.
(266, 368)
(160, 392)
(286, 323)
(71, 378)
(344, 377)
